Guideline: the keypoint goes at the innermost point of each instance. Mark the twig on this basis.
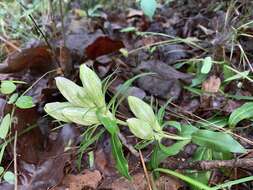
(15, 160)
(10, 44)
(130, 147)
(145, 170)
(62, 23)
(210, 164)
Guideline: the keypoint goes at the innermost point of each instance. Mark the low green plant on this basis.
(8, 88)
(86, 106)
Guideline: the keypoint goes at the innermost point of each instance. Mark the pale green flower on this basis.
(92, 85)
(82, 116)
(75, 94)
(140, 129)
(143, 111)
(55, 110)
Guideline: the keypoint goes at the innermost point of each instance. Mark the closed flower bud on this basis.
(92, 85)
(75, 94)
(140, 129)
(55, 110)
(82, 116)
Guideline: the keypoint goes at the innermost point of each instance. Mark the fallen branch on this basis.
(210, 164)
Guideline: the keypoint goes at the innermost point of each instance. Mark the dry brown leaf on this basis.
(212, 84)
(90, 179)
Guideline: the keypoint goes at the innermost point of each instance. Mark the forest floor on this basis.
(198, 54)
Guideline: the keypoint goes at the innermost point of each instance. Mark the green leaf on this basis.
(241, 113)
(218, 141)
(174, 124)
(109, 123)
(175, 148)
(82, 116)
(7, 87)
(240, 75)
(55, 110)
(202, 153)
(149, 7)
(13, 98)
(1, 170)
(75, 94)
(140, 129)
(187, 179)
(207, 65)
(5, 126)
(121, 162)
(9, 177)
(24, 102)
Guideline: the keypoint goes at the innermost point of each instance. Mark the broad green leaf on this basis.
(202, 153)
(7, 87)
(121, 162)
(82, 116)
(5, 126)
(149, 7)
(241, 113)
(92, 85)
(218, 122)
(73, 93)
(175, 148)
(187, 179)
(55, 110)
(218, 141)
(24, 102)
(143, 111)
(9, 177)
(187, 130)
(207, 65)
(140, 129)
(109, 123)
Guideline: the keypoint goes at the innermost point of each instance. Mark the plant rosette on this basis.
(146, 126)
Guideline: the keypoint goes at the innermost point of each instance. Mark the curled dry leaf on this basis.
(103, 45)
(88, 180)
(38, 59)
(212, 84)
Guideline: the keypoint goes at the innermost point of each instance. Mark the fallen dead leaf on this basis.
(90, 179)
(212, 84)
(103, 45)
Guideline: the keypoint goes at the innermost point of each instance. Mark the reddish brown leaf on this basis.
(38, 59)
(102, 46)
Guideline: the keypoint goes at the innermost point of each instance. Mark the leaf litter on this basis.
(46, 157)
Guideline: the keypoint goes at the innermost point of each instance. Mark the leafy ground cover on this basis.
(126, 95)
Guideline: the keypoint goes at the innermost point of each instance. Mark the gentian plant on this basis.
(86, 106)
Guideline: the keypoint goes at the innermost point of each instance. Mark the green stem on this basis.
(175, 137)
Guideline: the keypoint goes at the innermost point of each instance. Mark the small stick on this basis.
(145, 170)
(10, 44)
(15, 160)
(62, 23)
(210, 164)
(130, 147)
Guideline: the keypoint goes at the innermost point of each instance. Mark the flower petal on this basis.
(142, 110)
(92, 85)
(55, 110)
(140, 129)
(75, 94)
(82, 116)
